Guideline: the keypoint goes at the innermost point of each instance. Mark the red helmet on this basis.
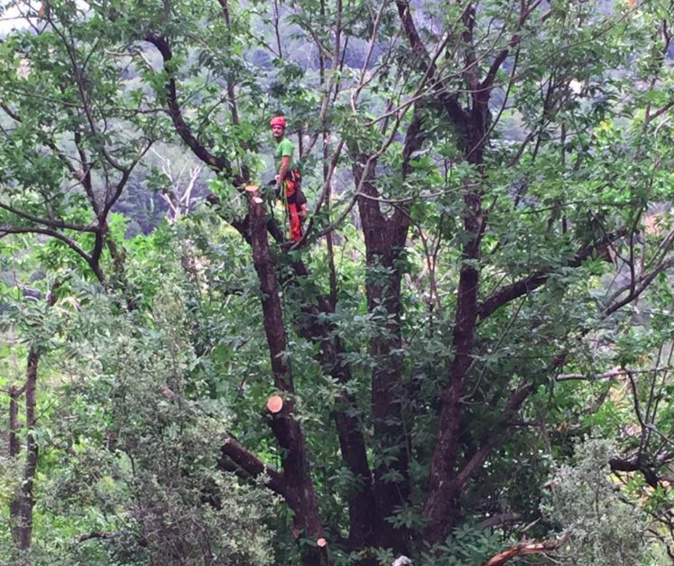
(278, 121)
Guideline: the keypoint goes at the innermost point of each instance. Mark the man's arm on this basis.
(285, 165)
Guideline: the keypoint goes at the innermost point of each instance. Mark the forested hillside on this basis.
(463, 359)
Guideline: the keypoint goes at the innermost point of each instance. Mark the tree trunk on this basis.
(298, 486)
(442, 510)
(26, 498)
(354, 451)
(385, 240)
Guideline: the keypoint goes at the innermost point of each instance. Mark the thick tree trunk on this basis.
(298, 486)
(441, 510)
(385, 241)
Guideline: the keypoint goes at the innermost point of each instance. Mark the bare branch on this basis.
(525, 548)
(635, 291)
(122, 183)
(5, 231)
(47, 222)
(218, 164)
(608, 375)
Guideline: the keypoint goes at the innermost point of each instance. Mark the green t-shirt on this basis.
(283, 148)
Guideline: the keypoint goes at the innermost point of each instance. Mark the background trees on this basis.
(483, 282)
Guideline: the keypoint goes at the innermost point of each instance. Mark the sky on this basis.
(10, 18)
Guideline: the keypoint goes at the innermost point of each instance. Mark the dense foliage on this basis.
(472, 342)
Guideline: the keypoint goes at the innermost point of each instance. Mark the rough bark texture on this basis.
(350, 433)
(237, 459)
(298, 486)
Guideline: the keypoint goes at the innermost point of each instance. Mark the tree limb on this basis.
(524, 286)
(622, 465)
(608, 375)
(218, 164)
(525, 548)
(6, 230)
(45, 221)
(247, 462)
(476, 461)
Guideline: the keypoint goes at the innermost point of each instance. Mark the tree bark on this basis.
(385, 240)
(26, 498)
(442, 509)
(298, 486)
(360, 499)
(355, 453)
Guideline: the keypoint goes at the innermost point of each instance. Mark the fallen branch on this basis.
(525, 548)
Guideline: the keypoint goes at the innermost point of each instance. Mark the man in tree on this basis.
(287, 179)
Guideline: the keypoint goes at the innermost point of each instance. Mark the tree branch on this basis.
(449, 101)
(635, 291)
(5, 230)
(247, 462)
(525, 11)
(86, 173)
(46, 222)
(475, 463)
(218, 164)
(608, 375)
(525, 548)
(524, 286)
(126, 173)
(622, 465)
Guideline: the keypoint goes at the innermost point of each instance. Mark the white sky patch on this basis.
(12, 17)
(576, 86)
(13, 14)
(10, 20)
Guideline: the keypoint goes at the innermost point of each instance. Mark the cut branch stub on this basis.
(275, 404)
(253, 190)
(321, 543)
